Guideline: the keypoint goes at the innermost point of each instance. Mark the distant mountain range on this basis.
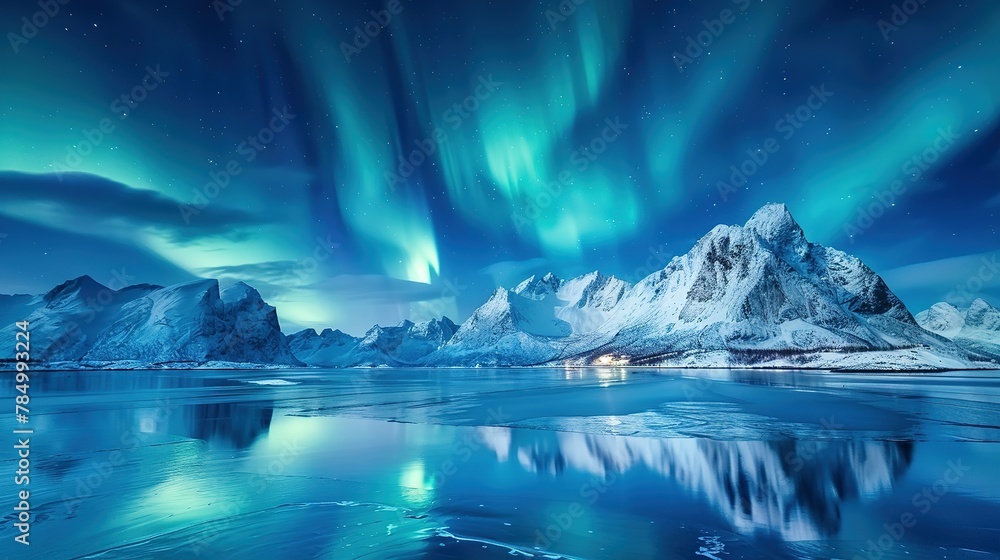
(757, 295)
(83, 323)
(402, 345)
(976, 329)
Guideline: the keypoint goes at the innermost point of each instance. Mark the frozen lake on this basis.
(576, 463)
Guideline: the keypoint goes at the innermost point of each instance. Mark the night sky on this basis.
(261, 141)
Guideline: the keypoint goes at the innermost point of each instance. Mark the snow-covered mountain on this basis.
(67, 321)
(976, 328)
(756, 295)
(402, 345)
(540, 320)
(327, 348)
(760, 293)
(84, 322)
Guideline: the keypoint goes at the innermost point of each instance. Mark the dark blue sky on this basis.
(264, 143)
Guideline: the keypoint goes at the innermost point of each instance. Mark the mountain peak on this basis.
(84, 285)
(942, 318)
(772, 215)
(535, 287)
(771, 210)
(982, 315)
(945, 307)
(980, 304)
(85, 281)
(238, 292)
(775, 224)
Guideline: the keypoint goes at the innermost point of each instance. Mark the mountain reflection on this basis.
(139, 407)
(236, 424)
(793, 489)
(231, 424)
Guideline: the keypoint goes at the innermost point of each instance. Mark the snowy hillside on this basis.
(84, 322)
(327, 348)
(976, 329)
(757, 295)
(539, 320)
(68, 320)
(405, 344)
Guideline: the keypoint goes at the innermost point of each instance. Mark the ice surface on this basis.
(418, 463)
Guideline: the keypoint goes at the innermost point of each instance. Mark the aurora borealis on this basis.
(363, 162)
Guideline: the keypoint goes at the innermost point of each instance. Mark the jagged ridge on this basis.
(83, 322)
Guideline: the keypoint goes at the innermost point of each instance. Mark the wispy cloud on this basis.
(273, 272)
(377, 289)
(922, 284)
(82, 202)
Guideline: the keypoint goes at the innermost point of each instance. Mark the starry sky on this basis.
(370, 161)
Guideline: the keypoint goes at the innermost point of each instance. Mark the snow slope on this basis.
(404, 344)
(538, 321)
(976, 329)
(194, 322)
(83, 323)
(757, 295)
(327, 348)
(67, 321)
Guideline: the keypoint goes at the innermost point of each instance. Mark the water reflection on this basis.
(296, 471)
(230, 424)
(793, 489)
(120, 408)
(235, 424)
